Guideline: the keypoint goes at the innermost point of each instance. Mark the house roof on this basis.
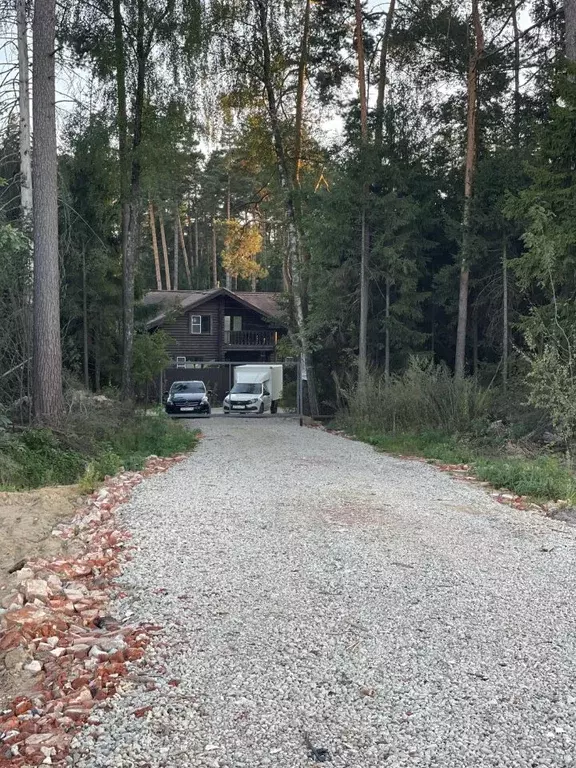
(263, 302)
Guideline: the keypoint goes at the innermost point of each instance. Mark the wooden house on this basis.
(217, 325)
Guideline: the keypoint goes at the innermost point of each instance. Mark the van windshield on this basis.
(247, 389)
(188, 386)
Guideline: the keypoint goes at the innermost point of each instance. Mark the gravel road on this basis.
(308, 584)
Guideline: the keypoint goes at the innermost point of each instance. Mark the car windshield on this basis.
(196, 387)
(247, 389)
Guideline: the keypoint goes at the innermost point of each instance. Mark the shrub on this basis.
(94, 442)
(39, 459)
(425, 397)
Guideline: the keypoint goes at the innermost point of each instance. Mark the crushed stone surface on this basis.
(322, 602)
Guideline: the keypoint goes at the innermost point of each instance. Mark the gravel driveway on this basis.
(308, 584)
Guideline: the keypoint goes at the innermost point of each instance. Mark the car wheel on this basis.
(274, 406)
(261, 409)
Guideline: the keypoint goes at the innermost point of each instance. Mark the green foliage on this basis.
(91, 446)
(15, 319)
(552, 381)
(38, 458)
(425, 397)
(150, 356)
(547, 207)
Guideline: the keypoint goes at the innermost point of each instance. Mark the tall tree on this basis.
(383, 75)
(471, 150)
(364, 233)
(294, 243)
(47, 389)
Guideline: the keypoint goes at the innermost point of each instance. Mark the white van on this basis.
(257, 389)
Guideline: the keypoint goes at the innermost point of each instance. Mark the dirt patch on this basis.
(27, 519)
(357, 513)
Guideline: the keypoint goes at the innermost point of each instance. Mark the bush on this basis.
(425, 397)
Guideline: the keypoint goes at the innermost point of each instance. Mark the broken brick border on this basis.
(58, 622)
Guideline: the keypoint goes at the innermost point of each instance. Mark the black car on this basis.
(188, 398)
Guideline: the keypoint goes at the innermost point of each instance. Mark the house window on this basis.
(233, 323)
(200, 324)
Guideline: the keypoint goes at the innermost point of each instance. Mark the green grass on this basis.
(541, 479)
(435, 446)
(88, 448)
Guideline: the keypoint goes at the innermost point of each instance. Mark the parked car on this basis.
(188, 398)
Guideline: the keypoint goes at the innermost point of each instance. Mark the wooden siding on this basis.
(207, 346)
(211, 346)
(251, 320)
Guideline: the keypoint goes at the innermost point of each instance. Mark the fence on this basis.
(219, 379)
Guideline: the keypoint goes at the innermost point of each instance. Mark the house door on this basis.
(232, 328)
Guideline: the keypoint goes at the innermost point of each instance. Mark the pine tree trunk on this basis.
(459, 368)
(387, 333)
(365, 235)
(152, 221)
(24, 105)
(185, 253)
(505, 329)
(133, 223)
(47, 352)
(228, 214)
(364, 290)
(214, 256)
(383, 75)
(196, 241)
(85, 323)
(301, 87)
(570, 17)
(516, 74)
(97, 359)
(176, 246)
(165, 251)
(475, 342)
(121, 118)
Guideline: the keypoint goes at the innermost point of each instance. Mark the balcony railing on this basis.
(250, 338)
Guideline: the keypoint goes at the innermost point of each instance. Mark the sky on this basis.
(74, 86)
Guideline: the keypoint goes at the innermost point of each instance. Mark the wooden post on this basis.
(152, 221)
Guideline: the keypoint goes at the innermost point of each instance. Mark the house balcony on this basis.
(264, 339)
